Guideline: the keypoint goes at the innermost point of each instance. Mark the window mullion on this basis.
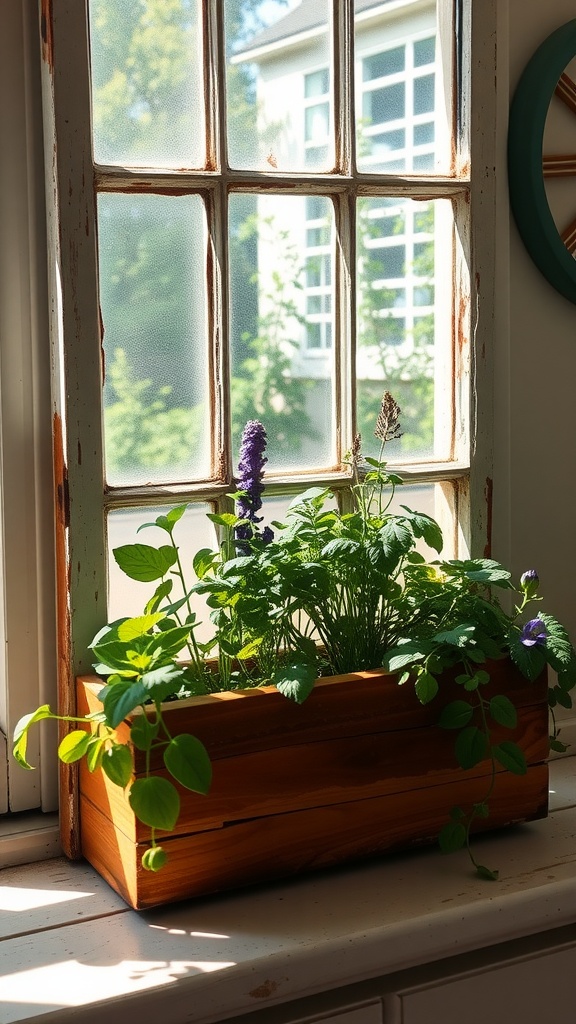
(217, 267)
(345, 221)
(76, 343)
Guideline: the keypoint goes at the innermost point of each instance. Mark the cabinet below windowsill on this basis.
(331, 946)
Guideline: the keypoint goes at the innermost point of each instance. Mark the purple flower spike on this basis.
(250, 472)
(533, 633)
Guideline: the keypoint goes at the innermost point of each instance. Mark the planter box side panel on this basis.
(354, 705)
(283, 845)
(318, 774)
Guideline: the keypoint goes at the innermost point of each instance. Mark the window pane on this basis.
(388, 63)
(385, 104)
(424, 94)
(274, 329)
(424, 52)
(153, 302)
(194, 531)
(317, 83)
(390, 50)
(423, 134)
(147, 94)
(269, 83)
(387, 142)
(316, 122)
(401, 346)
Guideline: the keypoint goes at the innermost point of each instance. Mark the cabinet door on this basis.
(371, 1014)
(529, 991)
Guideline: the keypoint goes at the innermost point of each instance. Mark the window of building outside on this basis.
(260, 210)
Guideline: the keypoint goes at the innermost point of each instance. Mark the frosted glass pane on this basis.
(399, 87)
(282, 326)
(147, 92)
(153, 303)
(404, 327)
(128, 597)
(279, 99)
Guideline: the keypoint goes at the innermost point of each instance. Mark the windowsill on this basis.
(71, 948)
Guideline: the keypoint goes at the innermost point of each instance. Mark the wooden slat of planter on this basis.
(355, 705)
(317, 774)
(288, 844)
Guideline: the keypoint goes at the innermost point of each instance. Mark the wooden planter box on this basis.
(359, 768)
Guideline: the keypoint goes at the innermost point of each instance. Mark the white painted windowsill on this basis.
(70, 948)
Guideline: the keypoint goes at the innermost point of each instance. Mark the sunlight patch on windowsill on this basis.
(70, 983)
(15, 898)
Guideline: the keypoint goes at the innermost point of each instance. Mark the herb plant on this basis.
(331, 590)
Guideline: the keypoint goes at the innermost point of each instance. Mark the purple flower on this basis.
(529, 581)
(533, 633)
(250, 473)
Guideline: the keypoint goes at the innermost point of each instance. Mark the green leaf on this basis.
(487, 873)
(405, 654)
(340, 547)
(426, 687)
(117, 764)
(471, 684)
(567, 678)
(155, 802)
(562, 698)
(530, 660)
(558, 746)
(166, 522)
(557, 642)
(112, 657)
(314, 495)
(456, 715)
(162, 682)
(482, 570)
(223, 518)
(397, 538)
(503, 711)
(203, 561)
(121, 700)
(20, 738)
(295, 680)
(187, 760)
(481, 810)
(94, 753)
(426, 527)
(460, 636)
(74, 746)
(470, 747)
(511, 757)
(452, 837)
(130, 629)
(162, 591)
(250, 650)
(143, 732)
(144, 563)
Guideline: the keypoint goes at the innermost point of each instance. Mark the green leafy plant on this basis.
(330, 590)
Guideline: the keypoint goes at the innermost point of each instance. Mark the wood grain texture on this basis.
(284, 845)
(284, 801)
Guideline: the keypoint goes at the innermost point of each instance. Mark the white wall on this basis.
(534, 523)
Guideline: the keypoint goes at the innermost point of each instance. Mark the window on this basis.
(232, 237)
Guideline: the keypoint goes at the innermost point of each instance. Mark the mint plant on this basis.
(330, 590)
